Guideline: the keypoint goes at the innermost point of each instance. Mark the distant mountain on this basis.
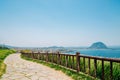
(5, 46)
(98, 45)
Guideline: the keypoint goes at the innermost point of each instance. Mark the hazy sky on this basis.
(59, 22)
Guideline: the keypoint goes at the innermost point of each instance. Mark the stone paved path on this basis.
(19, 69)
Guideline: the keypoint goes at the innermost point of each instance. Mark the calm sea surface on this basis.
(110, 53)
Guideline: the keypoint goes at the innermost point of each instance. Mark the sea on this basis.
(106, 53)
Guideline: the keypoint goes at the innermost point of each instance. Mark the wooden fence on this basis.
(86, 64)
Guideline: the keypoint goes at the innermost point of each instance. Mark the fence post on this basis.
(102, 69)
(32, 55)
(58, 60)
(61, 60)
(38, 55)
(84, 64)
(89, 65)
(111, 70)
(73, 62)
(66, 60)
(70, 60)
(47, 56)
(95, 66)
(52, 58)
(78, 61)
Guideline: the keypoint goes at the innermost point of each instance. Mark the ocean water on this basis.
(107, 53)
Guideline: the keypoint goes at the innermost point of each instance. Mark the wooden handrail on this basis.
(73, 61)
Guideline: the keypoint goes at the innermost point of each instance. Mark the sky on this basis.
(39, 23)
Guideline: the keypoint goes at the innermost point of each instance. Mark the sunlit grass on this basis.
(3, 54)
(116, 68)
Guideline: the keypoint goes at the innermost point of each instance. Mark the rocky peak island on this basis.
(98, 45)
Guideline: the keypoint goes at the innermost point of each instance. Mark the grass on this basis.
(3, 54)
(73, 74)
(116, 67)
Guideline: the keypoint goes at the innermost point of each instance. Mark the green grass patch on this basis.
(116, 69)
(3, 54)
(71, 73)
(2, 68)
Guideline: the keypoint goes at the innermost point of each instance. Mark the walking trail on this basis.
(19, 69)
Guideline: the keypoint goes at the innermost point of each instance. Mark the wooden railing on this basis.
(86, 64)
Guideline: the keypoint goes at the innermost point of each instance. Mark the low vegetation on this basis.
(26, 51)
(3, 54)
(116, 67)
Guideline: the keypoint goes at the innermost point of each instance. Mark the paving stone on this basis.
(19, 69)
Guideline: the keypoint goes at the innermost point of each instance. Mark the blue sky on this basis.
(59, 22)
